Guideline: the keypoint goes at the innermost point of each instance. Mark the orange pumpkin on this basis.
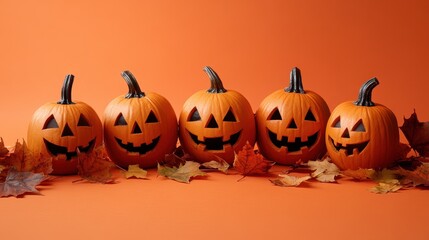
(291, 123)
(139, 128)
(60, 129)
(362, 134)
(216, 122)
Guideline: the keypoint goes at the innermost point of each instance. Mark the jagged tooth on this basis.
(355, 151)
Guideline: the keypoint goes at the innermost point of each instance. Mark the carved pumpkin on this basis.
(362, 134)
(291, 123)
(139, 128)
(216, 121)
(60, 129)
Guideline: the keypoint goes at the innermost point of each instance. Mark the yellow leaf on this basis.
(183, 173)
(135, 171)
(360, 174)
(218, 164)
(289, 181)
(386, 187)
(324, 171)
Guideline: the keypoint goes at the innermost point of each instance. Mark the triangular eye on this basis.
(151, 118)
(120, 120)
(275, 115)
(50, 123)
(309, 116)
(194, 116)
(359, 127)
(82, 121)
(229, 117)
(336, 123)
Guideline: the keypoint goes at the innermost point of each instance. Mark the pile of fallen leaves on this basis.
(21, 172)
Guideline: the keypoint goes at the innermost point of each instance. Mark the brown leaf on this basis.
(22, 160)
(361, 174)
(324, 171)
(95, 166)
(3, 150)
(247, 162)
(135, 171)
(175, 159)
(420, 176)
(219, 164)
(417, 134)
(289, 180)
(18, 183)
(183, 173)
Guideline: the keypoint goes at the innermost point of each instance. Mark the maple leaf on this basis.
(324, 171)
(3, 150)
(420, 176)
(175, 159)
(361, 174)
(386, 187)
(183, 173)
(417, 134)
(135, 171)
(21, 159)
(219, 164)
(95, 166)
(247, 162)
(18, 183)
(289, 180)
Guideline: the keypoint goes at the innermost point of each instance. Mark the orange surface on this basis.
(252, 45)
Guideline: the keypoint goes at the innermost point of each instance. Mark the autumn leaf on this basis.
(3, 150)
(135, 171)
(21, 159)
(324, 171)
(247, 162)
(361, 174)
(289, 180)
(386, 187)
(18, 183)
(183, 173)
(417, 134)
(420, 176)
(219, 164)
(175, 159)
(95, 166)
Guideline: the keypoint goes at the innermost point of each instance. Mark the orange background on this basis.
(252, 45)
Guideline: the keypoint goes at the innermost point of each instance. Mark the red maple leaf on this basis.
(247, 162)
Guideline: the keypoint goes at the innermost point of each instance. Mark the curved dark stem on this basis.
(365, 93)
(67, 90)
(134, 90)
(216, 85)
(295, 84)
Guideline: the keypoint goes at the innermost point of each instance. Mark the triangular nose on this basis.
(212, 122)
(67, 131)
(292, 124)
(136, 129)
(346, 134)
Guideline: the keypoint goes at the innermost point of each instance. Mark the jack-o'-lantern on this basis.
(139, 128)
(291, 123)
(216, 122)
(64, 128)
(362, 134)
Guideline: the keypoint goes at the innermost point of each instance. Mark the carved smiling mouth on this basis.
(142, 149)
(292, 146)
(215, 143)
(56, 149)
(349, 147)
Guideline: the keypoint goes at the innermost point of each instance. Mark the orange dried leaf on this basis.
(247, 162)
(386, 187)
(420, 176)
(18, 183)
(95, 166)
(417, 134)
(135, 171)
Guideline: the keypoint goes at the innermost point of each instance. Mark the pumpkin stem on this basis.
(134, 90)
(295, 84)
(216, 85)
(365, 93)
(66, 90)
